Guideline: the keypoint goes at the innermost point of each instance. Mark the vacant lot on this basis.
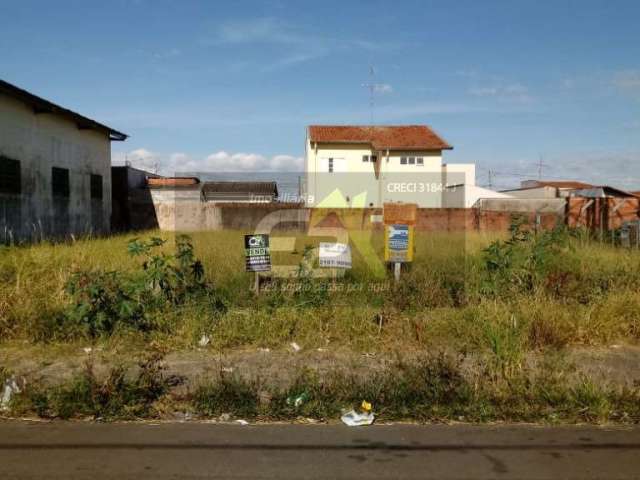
(478, 328)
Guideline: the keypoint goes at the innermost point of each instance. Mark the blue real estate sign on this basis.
(257, 255)
(399, 243)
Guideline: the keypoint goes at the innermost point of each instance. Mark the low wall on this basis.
(200, 216)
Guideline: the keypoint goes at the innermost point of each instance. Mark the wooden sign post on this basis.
(399, 221)
(257, 256)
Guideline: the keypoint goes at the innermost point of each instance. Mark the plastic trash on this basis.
(298, 401)
(242, 422)
(87, 350)
(295, 346)
(10, 388)
(204, 341)
(227, 369)
(264, 350)
(355, 419)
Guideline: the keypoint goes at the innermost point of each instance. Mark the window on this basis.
(331, 165)
(412, 160)
(374, 158)
(60, 182)
(403, 160)
(420, 161)
(96, 187)
(365, 158)
(10, 179)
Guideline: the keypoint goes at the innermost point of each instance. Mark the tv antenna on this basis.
(373, 87)
(540, 165)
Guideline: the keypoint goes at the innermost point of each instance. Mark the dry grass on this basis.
(439, 301)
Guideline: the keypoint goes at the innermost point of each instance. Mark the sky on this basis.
(208, 86)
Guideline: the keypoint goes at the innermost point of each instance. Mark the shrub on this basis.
(102, 301)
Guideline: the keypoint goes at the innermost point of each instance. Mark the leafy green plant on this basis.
(102, 301)
(524, 261)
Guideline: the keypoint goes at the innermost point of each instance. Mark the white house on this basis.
(367, 166)
(467, 196)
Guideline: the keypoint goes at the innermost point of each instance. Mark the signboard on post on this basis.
(398, 243)
(257, 255)
(335, 255)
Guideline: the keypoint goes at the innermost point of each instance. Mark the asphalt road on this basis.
(61, 450)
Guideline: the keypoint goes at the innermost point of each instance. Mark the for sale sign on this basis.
(257, 255)
(335, 255)
(398, 243)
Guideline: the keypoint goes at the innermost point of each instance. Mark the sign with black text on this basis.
(257, 255)
(335, 255)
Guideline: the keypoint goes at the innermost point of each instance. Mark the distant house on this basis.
(367, 166)
(546, 189)
(603, 191)
(243, 192)
(175, 189)
(467, 196)
(55, 169)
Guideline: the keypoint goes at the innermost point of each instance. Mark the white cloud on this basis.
(254, 30)
(176, 163)
(252, 162)
(514, 92)
(295, 44)
(627, 80)
(169, 53)
(383, 88)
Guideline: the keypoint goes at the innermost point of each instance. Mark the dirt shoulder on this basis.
(616, 365)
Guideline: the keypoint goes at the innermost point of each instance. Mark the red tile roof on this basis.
(173, 181)
(399, 137)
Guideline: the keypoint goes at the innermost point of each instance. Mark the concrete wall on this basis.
(200, 216)
(40, 142)
(538, 192)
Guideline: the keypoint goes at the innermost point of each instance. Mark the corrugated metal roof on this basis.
(250, 188)
(603, 191)
(392, 137)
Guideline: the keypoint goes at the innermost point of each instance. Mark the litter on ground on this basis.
(10, 388)
(355, 419)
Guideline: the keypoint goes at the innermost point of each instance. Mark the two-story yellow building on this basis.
(367, 166)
